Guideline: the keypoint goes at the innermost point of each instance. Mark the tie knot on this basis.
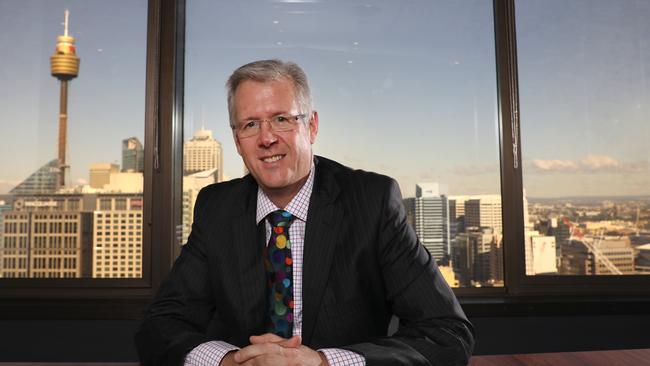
(280, 218)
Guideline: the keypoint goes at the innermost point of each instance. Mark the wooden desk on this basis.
(634, 357)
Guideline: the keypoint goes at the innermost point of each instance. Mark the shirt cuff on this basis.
(342, 357)
(208, 354)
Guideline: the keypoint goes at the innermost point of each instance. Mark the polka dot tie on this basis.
(279, 274)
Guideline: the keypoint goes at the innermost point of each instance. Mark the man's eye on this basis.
(250, 124)
(282, 119)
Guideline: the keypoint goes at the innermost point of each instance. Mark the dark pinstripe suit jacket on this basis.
(362, 263)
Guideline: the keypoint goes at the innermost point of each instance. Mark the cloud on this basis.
(599, 162)
(554, 165)
(588, 164)
(82, 181)
(475, 169)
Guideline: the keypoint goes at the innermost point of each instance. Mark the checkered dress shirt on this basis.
(211, 353)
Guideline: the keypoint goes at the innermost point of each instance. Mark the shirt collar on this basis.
(298, 206)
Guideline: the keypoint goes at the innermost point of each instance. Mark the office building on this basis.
(45, 180)
(125, 182)
(4, 206)
(132, 155)
(428, 213)
(483, 211)
(192, 184)
(117, 243)
(598, 256)
(477, 256)
(540, 253)
(642, 262)
(202, 152)
(46, 236)
(100, 174)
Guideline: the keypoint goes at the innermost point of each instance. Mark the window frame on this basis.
(518, 284)
(88, 298)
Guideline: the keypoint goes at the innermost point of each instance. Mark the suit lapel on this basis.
(320, 241)
(248, 242)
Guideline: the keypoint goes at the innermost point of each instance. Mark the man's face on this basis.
(279, 161)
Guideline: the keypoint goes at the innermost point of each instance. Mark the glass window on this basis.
(585, 107)
(406, 89)
(72, 95)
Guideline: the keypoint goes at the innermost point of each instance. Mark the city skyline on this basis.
(451, 130)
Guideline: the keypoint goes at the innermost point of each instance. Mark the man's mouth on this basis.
(272, 159)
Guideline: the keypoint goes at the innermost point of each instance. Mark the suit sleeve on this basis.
(433, 330)
(175, 321)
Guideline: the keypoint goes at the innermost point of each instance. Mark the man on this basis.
(303, 261)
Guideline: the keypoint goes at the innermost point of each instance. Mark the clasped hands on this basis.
(273, 350)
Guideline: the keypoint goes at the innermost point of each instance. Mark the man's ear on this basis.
(313, 127)
(234, 136)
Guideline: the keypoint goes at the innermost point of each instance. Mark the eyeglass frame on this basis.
(292, 119)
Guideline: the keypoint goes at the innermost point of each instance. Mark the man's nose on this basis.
(266, 136)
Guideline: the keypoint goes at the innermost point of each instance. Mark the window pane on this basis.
(583, 72)
(72, 106)
(406, 89)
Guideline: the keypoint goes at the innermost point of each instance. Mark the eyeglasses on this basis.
(279, 123)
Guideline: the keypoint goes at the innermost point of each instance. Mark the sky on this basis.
(404, 88)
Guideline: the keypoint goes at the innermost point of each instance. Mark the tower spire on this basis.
(65, 23)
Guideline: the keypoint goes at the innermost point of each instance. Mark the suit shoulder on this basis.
(363, 180)
(224, 191)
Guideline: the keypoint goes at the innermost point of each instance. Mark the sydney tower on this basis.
(64, 65)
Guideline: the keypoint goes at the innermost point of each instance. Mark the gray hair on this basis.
(270, 70)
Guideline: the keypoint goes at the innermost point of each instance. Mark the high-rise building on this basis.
(201, 153)
(43, 181)
(100, 174)
(540, 254)
(132, 155)
(484, 211)
(117, 243)
(192, 185)
(4, 206)
(428, 213)
(477, 257)
(562, 233)
(46, 236)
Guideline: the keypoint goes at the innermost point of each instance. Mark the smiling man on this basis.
(303, 261)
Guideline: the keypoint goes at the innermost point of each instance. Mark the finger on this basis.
(292, 342)
(255, 350)
(266, 338)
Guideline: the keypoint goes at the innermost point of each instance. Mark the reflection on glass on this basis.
(583, 69)
(406, 89)
(70, 203)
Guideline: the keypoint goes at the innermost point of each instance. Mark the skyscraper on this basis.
(47, 236)
(540, 253)
(478, 257)
(43, 181)
(201, 153)
(132, 155)
(428, 213)
(117, 243)
(484, 211)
